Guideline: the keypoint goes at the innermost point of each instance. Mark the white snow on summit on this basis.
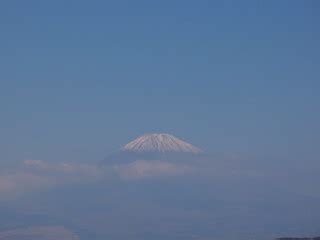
(161, 142)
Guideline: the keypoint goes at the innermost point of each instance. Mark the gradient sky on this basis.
(80, 78)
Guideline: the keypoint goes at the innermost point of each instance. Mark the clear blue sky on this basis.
(80, 78)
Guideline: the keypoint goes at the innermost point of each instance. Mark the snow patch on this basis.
(161, 142)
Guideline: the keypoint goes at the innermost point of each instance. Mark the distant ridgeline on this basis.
(299, 238)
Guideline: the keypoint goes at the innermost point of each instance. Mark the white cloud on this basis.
(14, 183)
(35, 175)
(67, 168)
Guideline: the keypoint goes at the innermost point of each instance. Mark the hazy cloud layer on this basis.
(212, 196)
(20, 181)
(34, 175)
(146, 169)
(43, 233)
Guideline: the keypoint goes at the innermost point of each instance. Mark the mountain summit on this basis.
(155, 146)
(160, 142)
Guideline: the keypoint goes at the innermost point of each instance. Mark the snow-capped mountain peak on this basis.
(160, 142)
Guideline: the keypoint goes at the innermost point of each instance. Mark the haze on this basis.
(159, 119)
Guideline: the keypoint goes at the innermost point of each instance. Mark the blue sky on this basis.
(78, 79)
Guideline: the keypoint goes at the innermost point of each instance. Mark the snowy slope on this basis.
(161, 142)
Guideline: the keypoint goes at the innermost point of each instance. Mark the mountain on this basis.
(154, 146)
(160, 142)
